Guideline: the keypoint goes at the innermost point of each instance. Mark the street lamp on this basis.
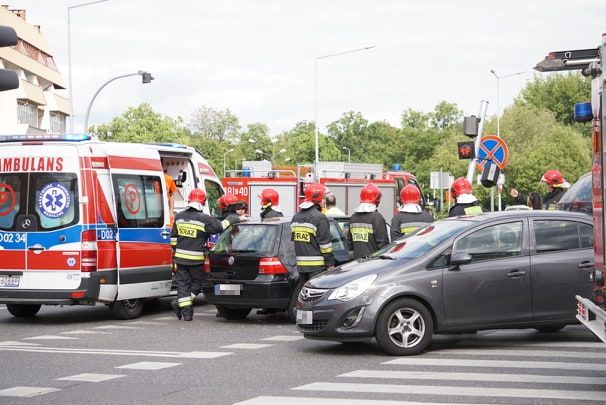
(224, 161)
(147, 78)
(69, 58)
(260, 152)
(316, 91)
(498, 79)
(348, 153)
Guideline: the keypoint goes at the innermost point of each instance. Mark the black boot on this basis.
(175, 307)
(188, 313)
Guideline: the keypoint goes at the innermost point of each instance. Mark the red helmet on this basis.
(226, 200)
(410, 194)
(460, 186)
(370, 194)
(269, 196)
(553, 178)
(197, 195)
(314, 193)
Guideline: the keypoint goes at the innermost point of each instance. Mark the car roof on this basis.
(518, 214)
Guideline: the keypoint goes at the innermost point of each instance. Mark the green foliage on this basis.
(215, 124)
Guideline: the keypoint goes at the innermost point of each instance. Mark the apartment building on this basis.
(35, 107)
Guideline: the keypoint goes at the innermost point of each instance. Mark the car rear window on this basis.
(247, 238)
(579, 191)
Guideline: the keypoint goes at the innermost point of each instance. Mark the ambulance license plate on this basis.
(305, 317)
(9, 281)
(228, 289)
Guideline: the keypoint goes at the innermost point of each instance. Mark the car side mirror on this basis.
(458, 259)
(181, 178)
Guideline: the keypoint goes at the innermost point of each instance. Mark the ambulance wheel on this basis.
(23, 311)
(233, 314)
(127, 309)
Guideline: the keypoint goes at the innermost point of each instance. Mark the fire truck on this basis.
(591, 62)
(344, 180)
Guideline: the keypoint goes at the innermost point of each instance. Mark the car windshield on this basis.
(249, 238)
(423, 240)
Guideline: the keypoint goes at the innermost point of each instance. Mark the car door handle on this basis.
(586, 265)
(516, 273)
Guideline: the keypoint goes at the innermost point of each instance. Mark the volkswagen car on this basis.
(253, 265)
(516, 269)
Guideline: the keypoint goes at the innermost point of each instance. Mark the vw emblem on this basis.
(26, 223)
(231, 260)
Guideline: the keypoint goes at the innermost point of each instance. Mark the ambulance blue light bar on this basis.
(169, 145)
(46, 137)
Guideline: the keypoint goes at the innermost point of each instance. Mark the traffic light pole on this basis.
(472, 162)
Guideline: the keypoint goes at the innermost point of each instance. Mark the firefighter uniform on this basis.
(313, 241)
(367, 233)
(270, 212)
(472, 208)
(406, 222)
(189, 238)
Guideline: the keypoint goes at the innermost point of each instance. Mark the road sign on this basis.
(492, 148)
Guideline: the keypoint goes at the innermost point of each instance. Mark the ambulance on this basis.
(84, 221)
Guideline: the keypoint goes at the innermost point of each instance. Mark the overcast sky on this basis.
(257, 57)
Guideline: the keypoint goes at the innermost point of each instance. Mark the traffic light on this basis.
(9, 80)
(147, 77)
(470, 126)
(466, 150)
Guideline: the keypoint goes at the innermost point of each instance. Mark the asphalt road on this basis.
(80, 355)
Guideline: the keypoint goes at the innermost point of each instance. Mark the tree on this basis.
(215, 124)
(142, 124)
(350, 131)
(300, 142)
(445, 115)
(416, 120)
(557, 93)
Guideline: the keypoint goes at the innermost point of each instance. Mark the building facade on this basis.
(36, 106)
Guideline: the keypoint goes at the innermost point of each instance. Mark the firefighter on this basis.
(230, 206)
(466, 202)
(410, 216)
(188, 237)
(367, 227)
(556, 184)
(270, 200)
(311, 236)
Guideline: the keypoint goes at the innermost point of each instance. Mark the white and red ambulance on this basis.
(84, 221)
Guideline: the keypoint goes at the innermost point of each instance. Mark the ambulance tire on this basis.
(127, 309)
(22, 310)
(233, 314)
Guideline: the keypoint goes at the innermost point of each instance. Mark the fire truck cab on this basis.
(84, 221)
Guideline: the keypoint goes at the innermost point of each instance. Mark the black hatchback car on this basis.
(253, 265)
(515, 269)
(578, 196)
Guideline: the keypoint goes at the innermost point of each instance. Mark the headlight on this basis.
(353, 289)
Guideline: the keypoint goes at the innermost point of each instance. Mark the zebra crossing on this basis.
(553, 373)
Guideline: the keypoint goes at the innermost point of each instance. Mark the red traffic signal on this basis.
(466, 150)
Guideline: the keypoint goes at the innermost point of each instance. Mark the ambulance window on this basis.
(213, 192)
(55, 199)
(139, 201)
(10, 198)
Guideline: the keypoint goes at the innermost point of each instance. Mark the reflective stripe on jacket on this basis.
(367, 233)
(310, 233)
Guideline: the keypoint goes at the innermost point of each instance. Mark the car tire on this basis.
(233, 314)
(404, 327)
(127, 309)
(22, 310)
(550, 328)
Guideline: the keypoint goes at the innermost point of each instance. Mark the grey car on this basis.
(516, 269)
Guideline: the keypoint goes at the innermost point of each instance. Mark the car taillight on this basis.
(88, 257)
(206, 267)
(271, 265)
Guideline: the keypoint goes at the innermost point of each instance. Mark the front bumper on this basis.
(86, 294)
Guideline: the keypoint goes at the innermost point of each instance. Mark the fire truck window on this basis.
(55, 199)
(10, 199)
(213, 192)
(139, 201)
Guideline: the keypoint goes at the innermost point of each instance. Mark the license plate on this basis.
(9, 281)
(228, 289)
(304, 317)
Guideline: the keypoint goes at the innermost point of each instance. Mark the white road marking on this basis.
(204, 314)
(84, 332)
(15, 343)
(140, 353)
(1, 308)
(147, 322)
(26, 392)
(424, 361)
(455, 391)
(284, 338)
(149, 365)
(51, 337)
(522, 353)
(441, 376)
(246, 346)
(90, 377)
(166, 318)
(117, 327)
(521, 343)
(326, 401)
